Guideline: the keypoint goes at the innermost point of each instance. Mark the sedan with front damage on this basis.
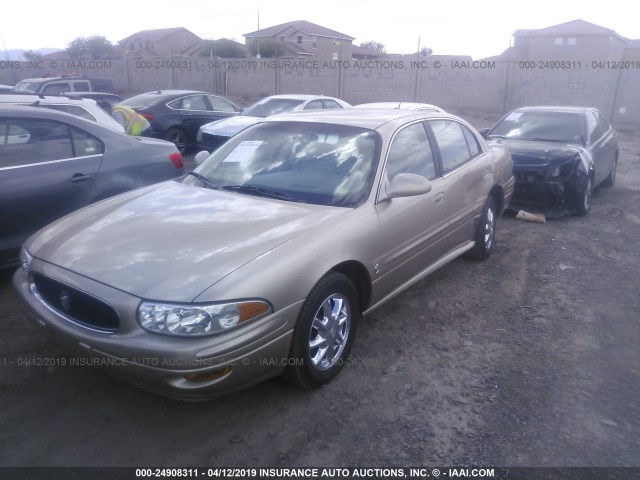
(560, 154)
(261, 261)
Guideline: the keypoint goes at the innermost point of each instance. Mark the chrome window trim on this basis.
(70, 159)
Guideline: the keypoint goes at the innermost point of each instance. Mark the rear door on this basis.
(468, 175)
(47, 169)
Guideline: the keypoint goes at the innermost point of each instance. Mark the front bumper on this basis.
(180, 368)
(211, 142)
(554, 197)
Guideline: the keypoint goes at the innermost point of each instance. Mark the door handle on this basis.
(440, 199)
(486, 175)
(79, 178)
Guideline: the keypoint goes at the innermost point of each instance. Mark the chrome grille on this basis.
(76, 305)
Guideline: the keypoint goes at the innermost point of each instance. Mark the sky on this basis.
(459, 27)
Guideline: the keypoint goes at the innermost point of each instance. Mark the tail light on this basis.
(148, 116)
(176, 158)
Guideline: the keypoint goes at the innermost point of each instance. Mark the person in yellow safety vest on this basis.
(132, 122)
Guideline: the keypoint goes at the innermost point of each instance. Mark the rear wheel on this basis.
(485, 237)
(178, 138)
(324, 333)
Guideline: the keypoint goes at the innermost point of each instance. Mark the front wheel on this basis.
(584, 198)
(324, 333)
(611, 179)
(485, 237)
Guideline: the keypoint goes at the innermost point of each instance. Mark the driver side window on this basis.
(411, 152)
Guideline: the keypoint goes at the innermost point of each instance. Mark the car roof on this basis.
(364, 118)
(70, 99)
(400, 105)
(555, 108)
(49, 79)
(7, 109)
(96, 94)
(173, 92)
(300, 96)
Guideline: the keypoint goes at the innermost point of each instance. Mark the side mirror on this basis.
(200, 157)
(407, 185)
(484, 132)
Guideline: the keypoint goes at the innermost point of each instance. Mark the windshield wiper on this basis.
(263, 192)
(204, 180)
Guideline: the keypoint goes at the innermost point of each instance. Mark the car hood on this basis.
(529, 153)
(230, 126)
(172, 241)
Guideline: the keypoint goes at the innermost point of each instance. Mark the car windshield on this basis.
(558, 126)
(144, 100)
(29, 87)
(271, 106)
(322, 164)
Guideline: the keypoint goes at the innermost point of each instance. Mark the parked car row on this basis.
(172, 282)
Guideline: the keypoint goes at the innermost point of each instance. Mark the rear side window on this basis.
(472, 141)
(331, 104)
(72, 109)
(452, 143)
(314, 105)
(53, 88)
(194, 102)
(102, 85)
(26, 140)
(219, 104)
(85, 144)
(81, 86)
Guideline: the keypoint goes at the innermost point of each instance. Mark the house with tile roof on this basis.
(160, 42)
(301, 39)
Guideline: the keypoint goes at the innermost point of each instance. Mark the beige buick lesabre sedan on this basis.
(260, 261)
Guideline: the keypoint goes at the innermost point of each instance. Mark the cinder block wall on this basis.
(456, 84)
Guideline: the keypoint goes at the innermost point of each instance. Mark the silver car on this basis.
(52, 163)
(82, 107)
(212, 135)
(261, 261)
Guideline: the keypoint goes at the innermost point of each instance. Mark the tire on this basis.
(611, 179)
(324, 333)
(485, 237)
(583, 203)
(178, 138)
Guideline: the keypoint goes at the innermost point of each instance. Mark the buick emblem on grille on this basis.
(65, 300)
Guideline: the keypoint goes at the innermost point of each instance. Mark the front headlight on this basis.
(198, 320)
(25, 259)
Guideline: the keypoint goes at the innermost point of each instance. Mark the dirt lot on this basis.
(530, 358)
